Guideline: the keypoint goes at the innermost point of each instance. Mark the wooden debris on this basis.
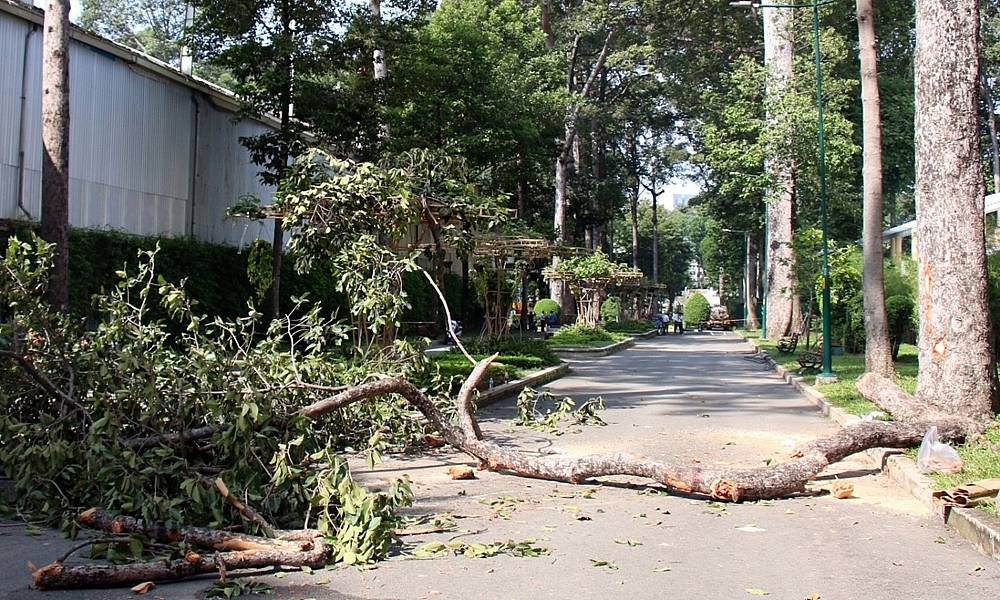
(842, 490)
(461, 472)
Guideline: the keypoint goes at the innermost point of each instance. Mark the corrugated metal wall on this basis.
(14, 38)
(223, 167)
(141, 147)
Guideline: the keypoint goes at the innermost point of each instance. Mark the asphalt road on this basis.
(688, 399)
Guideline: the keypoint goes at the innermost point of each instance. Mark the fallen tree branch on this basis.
(722, 484)
(241, 506)
(169, 439)
(210, 539)
(888, 396)
(234, 551)
(55, 576)
(47, 385)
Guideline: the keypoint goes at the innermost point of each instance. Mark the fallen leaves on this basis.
(523, 549)
(628, 542)
(603, 563)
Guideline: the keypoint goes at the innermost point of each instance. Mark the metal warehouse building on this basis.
(152, 151)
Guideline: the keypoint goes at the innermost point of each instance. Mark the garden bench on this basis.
(786, 345)
(811, 359)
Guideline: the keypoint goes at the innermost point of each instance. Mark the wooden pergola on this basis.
(590, 291)
(497, 257)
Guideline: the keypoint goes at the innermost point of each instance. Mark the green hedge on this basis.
(420, 295)
(216, 275)
(582, 335)
(512, 347)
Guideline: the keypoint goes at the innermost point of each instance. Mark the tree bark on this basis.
(878, 350)
(559, 291)
(780, 286)
(55, 146)
(723, 484)
(957, 368)
(233, 551)
(753, 319)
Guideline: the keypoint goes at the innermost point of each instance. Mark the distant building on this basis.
(152, 151)
(681, 200)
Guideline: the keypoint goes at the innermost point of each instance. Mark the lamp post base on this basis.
(825, 378)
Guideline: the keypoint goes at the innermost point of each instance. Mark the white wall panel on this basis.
(149, 154)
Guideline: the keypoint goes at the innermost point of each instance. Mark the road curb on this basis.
(977, 526)
(571, 353)
(515, 387)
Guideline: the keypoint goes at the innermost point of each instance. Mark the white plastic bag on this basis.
(937, 457)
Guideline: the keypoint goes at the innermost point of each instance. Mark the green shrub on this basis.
(696, 310)
(546, 305)
(458, 368)
(583, 335)
(899, 311)
(611, 310)
(847, 310)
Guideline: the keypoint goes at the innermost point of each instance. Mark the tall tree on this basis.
(285, 56)
(154, 27)
(957, 368)
(878, 351)
(55, 148)
(779, 305)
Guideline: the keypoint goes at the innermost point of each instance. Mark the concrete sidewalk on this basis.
(688, 399)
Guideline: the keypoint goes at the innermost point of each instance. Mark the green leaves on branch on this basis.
(526, 548)
(141, 420)
(532, 414)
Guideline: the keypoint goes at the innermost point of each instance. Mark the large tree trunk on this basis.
(753, 260)
(878, 351)
(957, 368)
(559, 291)
(780, 283)
(55, 144)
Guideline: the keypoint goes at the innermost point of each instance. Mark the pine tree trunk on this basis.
(55, 144)
(878, 350)
(957, 368)
(781, 210)
(656, 239)
(753, 319)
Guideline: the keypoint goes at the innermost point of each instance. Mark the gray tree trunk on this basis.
(753, 320)
(55, 145)
(656, 237)
(778, 55)
(878, 350)
(558, 289)
(957, 369)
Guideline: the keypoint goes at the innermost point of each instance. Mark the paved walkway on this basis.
(685, 399)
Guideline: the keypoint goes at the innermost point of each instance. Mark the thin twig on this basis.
(117, 540)
(447, 313)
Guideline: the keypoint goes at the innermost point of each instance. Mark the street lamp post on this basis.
(746, 273)
(815, 4)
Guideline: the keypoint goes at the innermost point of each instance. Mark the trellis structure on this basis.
(499, 257)
(589, 279)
